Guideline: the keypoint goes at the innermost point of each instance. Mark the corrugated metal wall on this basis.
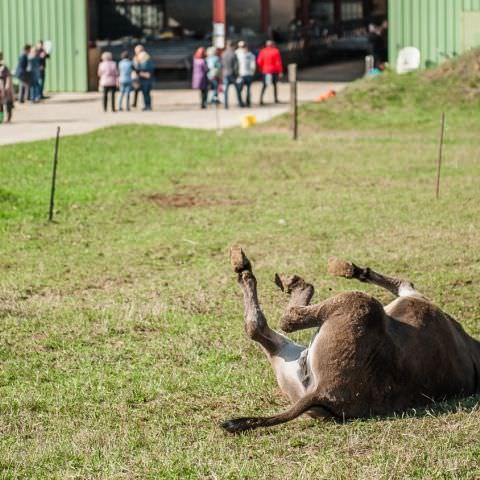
(433, 26)
(63, 22)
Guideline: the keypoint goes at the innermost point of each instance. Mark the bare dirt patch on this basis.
(187, 196)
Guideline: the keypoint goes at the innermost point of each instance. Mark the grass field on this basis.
(122, 343)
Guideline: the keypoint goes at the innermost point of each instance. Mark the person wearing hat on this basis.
(246, 70)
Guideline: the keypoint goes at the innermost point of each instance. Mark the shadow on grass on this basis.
(456, 405)
(435, 409)
(467, 405)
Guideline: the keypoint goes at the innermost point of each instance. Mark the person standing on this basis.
(34, 69)
(22, 74)
(6, 92)
(125, 68)
(375, 44)
(135, 80)
(43, 66)
(199, 76)
(247, 65)
(108, 74)
(145, 70)
(230, 73)
(378, 40)
(214, 72)
(270, 64)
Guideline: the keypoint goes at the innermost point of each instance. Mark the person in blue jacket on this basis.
(145, 70)
(34, 69)
(125, 68)
(23, 74)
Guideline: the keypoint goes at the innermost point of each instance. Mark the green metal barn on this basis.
(61, 21)
(440, 29)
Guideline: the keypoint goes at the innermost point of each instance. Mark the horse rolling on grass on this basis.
(365, 359)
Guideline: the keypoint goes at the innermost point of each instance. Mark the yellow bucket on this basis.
(249, 121)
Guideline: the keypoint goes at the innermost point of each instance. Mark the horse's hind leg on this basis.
(295, 316)
(300, 291)
(397, 286)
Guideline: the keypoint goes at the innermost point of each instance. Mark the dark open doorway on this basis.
(114, 19)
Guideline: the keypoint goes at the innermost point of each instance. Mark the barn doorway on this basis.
(115, 19)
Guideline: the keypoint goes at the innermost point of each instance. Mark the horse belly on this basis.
(353, 371)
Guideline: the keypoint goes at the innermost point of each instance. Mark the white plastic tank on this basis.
(408, 60)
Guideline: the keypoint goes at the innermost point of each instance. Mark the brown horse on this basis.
(365, 359)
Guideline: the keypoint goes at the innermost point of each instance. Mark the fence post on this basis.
(440, 153)
(54, 177)
(292, 78)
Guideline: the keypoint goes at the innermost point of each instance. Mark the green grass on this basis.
(122, 343)
(408, 103)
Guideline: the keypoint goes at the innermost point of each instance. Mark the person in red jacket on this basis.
(270, 64)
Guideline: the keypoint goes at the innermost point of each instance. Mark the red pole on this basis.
(219, 11)
(219, 23)
(265, 16)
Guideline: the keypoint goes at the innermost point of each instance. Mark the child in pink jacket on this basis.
(108, 75)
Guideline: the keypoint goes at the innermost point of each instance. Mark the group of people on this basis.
(212, 72)
(30, 72)
(237, 67)
(131, 75)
